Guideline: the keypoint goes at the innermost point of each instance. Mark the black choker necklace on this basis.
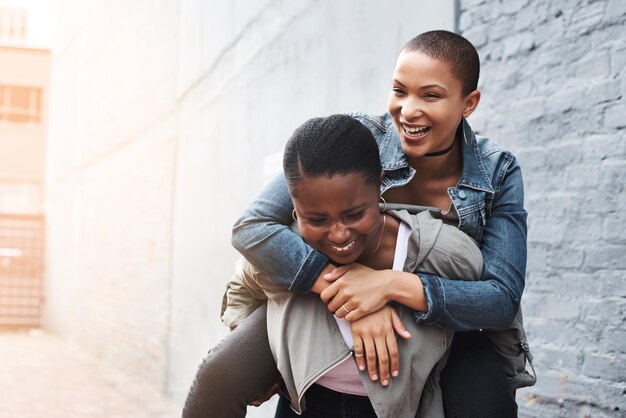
(443, 151)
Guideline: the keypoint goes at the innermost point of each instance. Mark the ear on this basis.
(471, 102)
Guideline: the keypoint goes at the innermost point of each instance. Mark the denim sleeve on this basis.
(262, 235)
(493, 301)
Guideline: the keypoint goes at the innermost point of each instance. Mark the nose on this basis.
(411, 108)
(338, 233)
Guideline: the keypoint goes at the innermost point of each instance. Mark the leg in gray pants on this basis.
(235, 372)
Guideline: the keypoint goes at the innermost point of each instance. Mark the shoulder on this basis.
(376, 123)
(391, 154)
(490, 152)
(486, 163)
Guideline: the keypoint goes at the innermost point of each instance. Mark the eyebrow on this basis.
(352, 209)
(430, 86)
(427, 86)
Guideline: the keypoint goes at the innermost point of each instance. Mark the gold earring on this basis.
(293, 215)
(384, 204)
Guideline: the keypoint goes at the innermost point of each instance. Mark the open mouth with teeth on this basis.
(344, 248)
(415, 132)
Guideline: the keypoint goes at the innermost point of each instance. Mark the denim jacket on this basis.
(489, 199)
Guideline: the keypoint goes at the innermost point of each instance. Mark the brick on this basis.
(518, 44)
(615, 116)
(604, 91)
(606, 257)
(568, 53)
(595, 65)
(552, 385)
(529, 109)
(470, 4)
(566, 99)
(538, 258)
(564, 153)
(605, 366)
(608, 37)
(618, 62)
(562, 309)
(587, 227)
(597, 148)
(550, 129)
(585, 19)
(586, 176)
(568, 258)
(615, 11)
(477, 36)
(546, 231)
(534, 158)
(613, 340)
(592, 394)
(613, 228)
(465, 22)
(611, 283)
(597, 202)
(613, 176)
(512, 7)
(561, 359)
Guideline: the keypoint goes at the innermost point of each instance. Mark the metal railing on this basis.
(21, 269)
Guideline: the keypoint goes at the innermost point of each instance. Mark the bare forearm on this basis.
(321, 283)
(407, 290)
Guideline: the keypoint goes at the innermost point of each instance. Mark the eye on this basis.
(398, 91)
(316, 221)
(356, 215)
(432, 96)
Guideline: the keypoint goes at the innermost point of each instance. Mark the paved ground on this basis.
(43, 376)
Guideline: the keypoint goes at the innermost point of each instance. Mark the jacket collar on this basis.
(474, 174)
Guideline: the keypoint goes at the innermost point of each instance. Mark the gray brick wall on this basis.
(553, 82)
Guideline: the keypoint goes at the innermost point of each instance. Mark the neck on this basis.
(443, 151)
(382, 258)
(444, 165)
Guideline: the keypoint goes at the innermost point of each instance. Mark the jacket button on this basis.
(462, 194)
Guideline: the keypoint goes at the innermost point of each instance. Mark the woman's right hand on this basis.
(375, 342)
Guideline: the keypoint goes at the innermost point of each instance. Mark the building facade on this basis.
(24, 92)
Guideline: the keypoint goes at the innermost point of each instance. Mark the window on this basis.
(13, 25)
(20, 104)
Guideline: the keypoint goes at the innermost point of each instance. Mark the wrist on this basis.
(407, 289)
(320, 283)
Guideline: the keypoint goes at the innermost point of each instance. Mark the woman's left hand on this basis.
(375, 346)
(356, 291)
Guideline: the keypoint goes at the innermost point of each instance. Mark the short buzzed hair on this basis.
(324, 147)
(453, 49)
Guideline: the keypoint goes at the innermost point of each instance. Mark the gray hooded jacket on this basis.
(306, 341)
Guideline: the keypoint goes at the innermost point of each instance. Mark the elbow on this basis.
(505, 320)
(508, 312)
(238, 235)
(235, 240)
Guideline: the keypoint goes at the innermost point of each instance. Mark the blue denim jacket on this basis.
(489, 199)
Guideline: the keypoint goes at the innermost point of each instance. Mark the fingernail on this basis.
(374, 377)
(394, 373)
(361, 368)
(385, 382)
(327, 275)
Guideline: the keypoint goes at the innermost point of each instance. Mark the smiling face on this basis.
(426, 103)
(339, 215)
